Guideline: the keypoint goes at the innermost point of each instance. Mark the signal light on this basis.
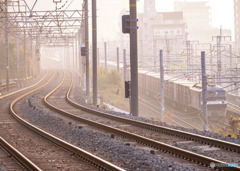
(126, 23)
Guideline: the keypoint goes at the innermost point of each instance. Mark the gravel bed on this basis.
(129, 157)
(80, 98)
(2, 167)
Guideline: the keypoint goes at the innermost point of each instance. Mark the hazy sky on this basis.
(222, 10)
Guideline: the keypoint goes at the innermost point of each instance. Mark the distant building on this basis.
(237, 25)
(197, 16)
(158, 25)
(159, 30)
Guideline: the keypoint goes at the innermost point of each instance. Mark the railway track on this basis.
(234, 108)
(4, 86)
(23, 161)
(45, 150)
(172, 117)
(137, 135)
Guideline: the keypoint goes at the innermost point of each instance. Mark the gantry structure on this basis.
(60, 27)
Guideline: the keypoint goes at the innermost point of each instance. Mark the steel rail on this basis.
(24, 161)
(98, 162)
(20, 90)
(184, 154)
(234, 108)
(168, 118)
(169, 131)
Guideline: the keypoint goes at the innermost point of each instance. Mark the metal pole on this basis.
(31, 66)
(154, 54)
(6, 45)
(76, 55)
(17, 59)
(94, 48)
(98, 56)
(118, 59)
(219, 62)
(73, 56)
(124, 65)
(211, 58)
(188, 56)
(134, 57)
(25, 57)
(105, 52)
(87, 47)
(230, 49)
(204, 91)
(68, 58)
(162, 86)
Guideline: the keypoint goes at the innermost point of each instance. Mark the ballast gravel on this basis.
(128, 157)
(2, 167)
(80, 98)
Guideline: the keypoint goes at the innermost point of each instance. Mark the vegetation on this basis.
(12, 51)
(111, 88)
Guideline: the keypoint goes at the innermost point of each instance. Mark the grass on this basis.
(111, 88)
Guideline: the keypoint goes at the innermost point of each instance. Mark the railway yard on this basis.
(55, 130)
(115, 85)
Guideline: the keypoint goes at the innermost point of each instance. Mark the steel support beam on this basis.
(94, 49)
(134, 57)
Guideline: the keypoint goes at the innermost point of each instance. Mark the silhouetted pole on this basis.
(94, 49)
(133, 57)
(25, 57)
(76, 55)
(162, 86)
(98, 57)
(105, 54)
(155, 54)
(124, 65)
(17, 43)
(204, 91)
(118, 59)
(87, 47)
(6, 45)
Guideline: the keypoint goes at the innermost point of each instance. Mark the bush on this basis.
(111, 88)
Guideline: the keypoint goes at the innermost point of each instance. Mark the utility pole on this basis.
(76, 54)
(211, 58)
(204, 91)
(189, 56)
(6, 44)
(105, 52)
(154, 54)
(94, 48)
(134, 57)
(167, 50)
(31, 66)
(17, 43)
(118, 59)
(230, 50)
(124, 65)
(25, 57)
(162, 86)
(87, 47)
(219, 54)
(98, 56)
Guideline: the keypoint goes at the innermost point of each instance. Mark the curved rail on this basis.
(196, 158)
(170, 131)
(26, 88)
(192, 126)
(100, 163)
(234, 108)
(24, 161)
